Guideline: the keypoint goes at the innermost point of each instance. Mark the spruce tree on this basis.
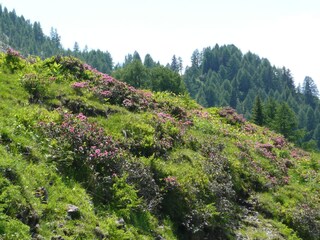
(174, 64)
(310, 91)
(148, 61)
(316, 135)
(285, 121)
(257, 112)
(201, 97)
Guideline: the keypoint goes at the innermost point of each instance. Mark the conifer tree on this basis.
(257, 112)
(316, 135)
(174, 64)
(285, 121)
(136, 56)
(148, 61)
(310, 91)
(201, 97)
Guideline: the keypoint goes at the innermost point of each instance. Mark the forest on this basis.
(218, 76)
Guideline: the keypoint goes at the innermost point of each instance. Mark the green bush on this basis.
(13, 61)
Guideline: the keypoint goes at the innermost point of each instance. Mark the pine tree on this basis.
(76, 48)
(201, 97)
(233, 99)
(180, 65)
(136, 56)
(127, 59)
(285, 121)
(174, 64)
(233, 66)
(196, 59)
(311, 121)
(148, 61)
(257, 112)
(310, 91)
(316, 135)
(270, 111)
(55, 38)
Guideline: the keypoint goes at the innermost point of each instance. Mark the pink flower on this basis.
(81, 116)
(79, 84)
(107, 78)
(127, 103)
(106, 93)
(13, 52)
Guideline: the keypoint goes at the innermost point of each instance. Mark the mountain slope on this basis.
(84, 156)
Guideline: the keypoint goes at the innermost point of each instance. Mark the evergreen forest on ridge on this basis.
(227, 148)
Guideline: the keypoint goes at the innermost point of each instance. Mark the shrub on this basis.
(232, 116)
(36, 85)
(142, 178)
(306, 221)
(125, 198)
(82, 148)
(14, 61)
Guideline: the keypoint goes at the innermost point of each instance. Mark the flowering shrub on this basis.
(266, 150)
(82, 147)
(116, 92)
(79, 85)
(163, 117)
(232, 116)
(171, 183)
(13, 60)
(279, 142)
(249, 128)
(168, 131)
(201, 114)
(298, 153)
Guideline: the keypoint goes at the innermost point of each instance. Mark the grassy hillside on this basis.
(84, 156)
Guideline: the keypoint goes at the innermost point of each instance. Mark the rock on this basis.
(288, 164)
(121, 223)
(38, 237)
(73, 212)
(98, 232)
(159, 237)
(57, 238)
(42, 193)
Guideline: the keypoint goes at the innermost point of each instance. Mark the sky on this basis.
(284, 31)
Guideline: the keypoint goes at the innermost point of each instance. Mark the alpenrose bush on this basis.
(83, 147)
(232, 116)
(109, 89)
(105, 87)
(116, 92)
(14, 60)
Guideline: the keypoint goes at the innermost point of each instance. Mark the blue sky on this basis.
(284, 31)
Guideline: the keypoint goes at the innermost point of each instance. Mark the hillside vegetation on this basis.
(218, 76)
(84, 156)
